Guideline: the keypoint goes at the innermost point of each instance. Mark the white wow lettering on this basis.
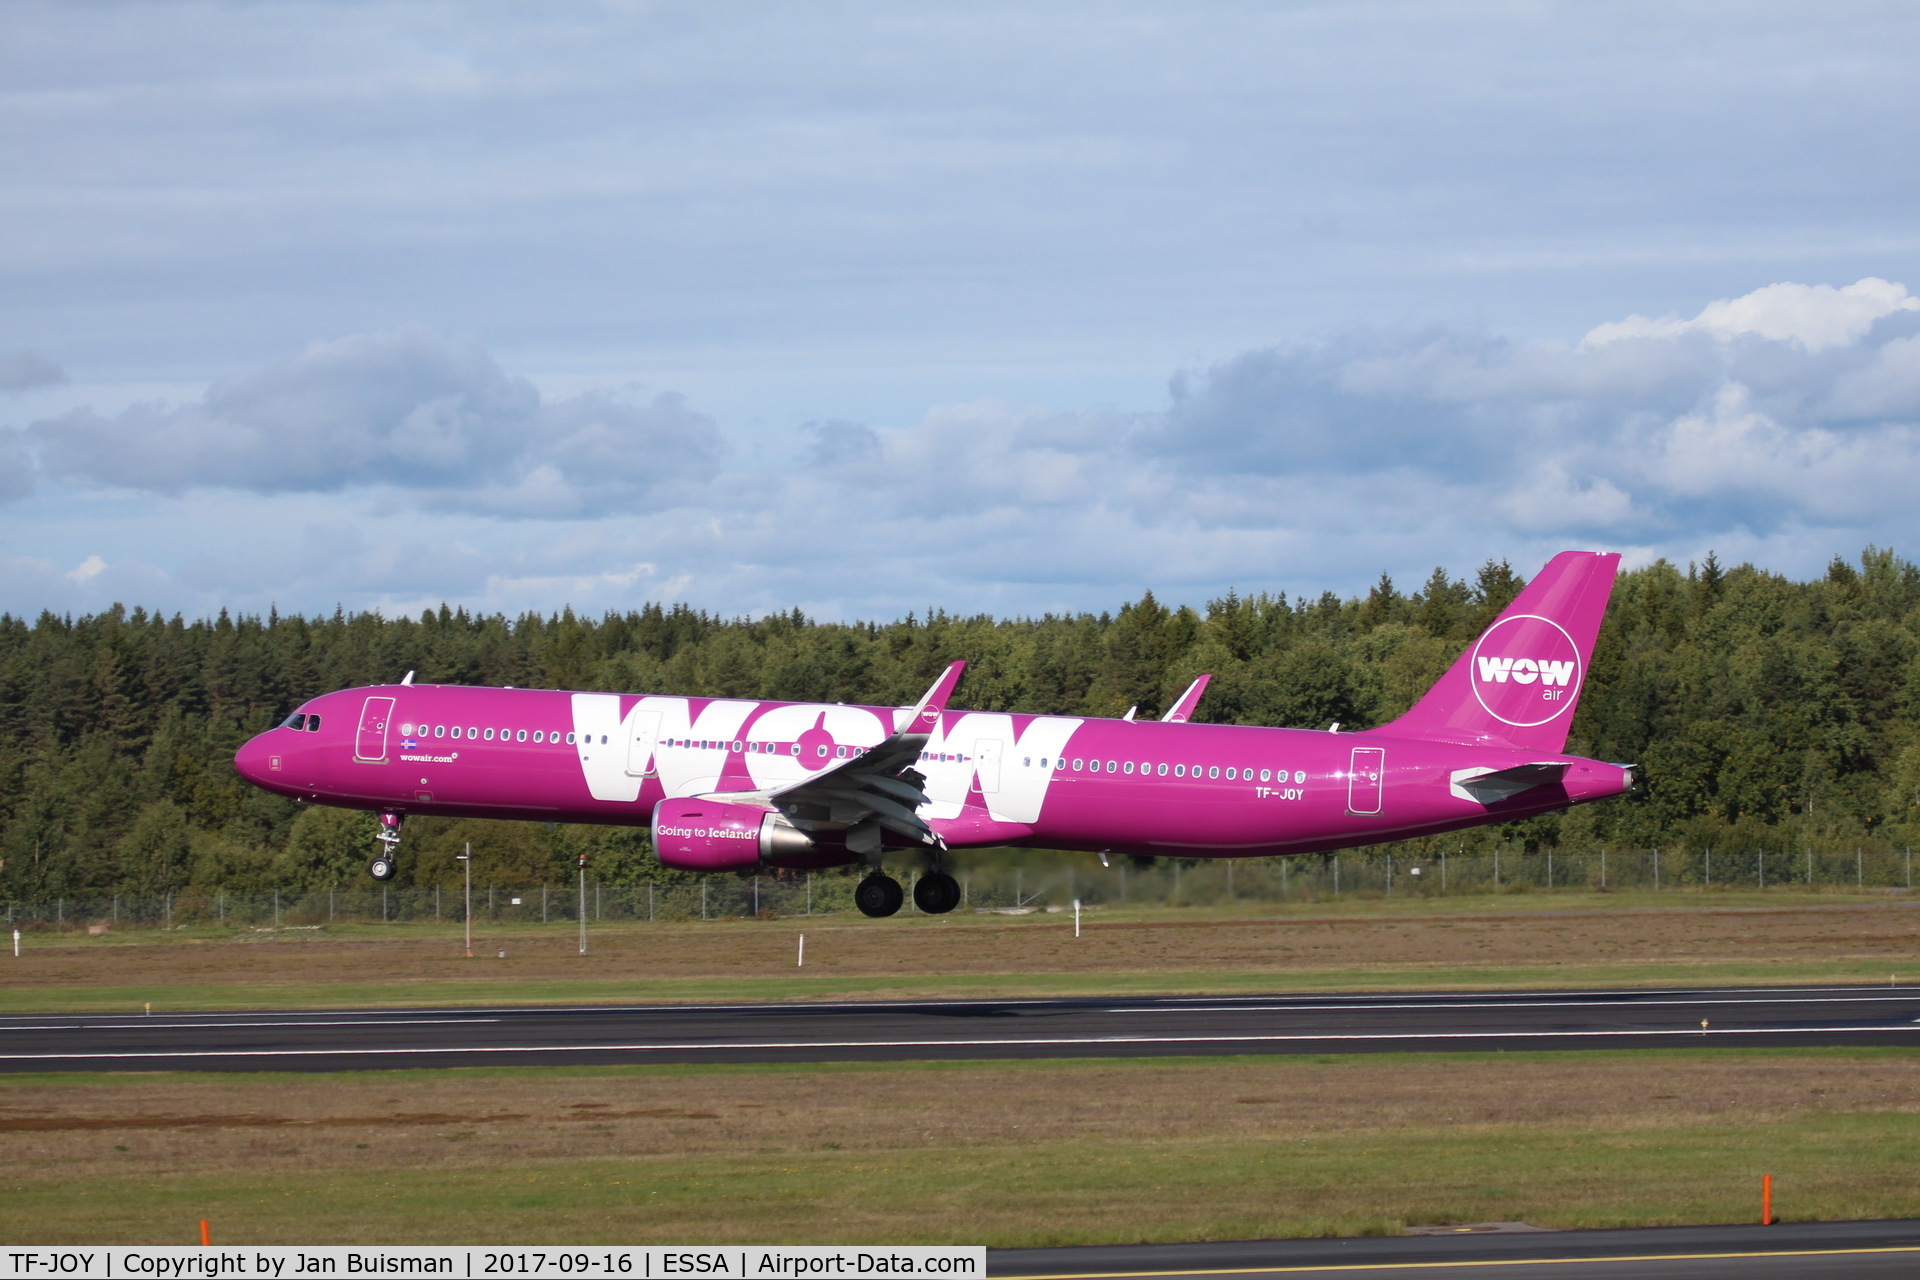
(1525, 671)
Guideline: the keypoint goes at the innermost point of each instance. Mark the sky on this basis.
(868, 309)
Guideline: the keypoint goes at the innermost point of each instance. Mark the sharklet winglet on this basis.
(933, 703)
(1182, 711)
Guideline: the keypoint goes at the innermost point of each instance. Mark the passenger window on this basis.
(539, 735)
(1213, 771)
(1129, 766)
(489, 735)
(840, 753)
(521, 736)
(569, 739)
(1179, 771)
(794, 749)
(1163, 771)
(1026, 762)
(1112, 766)
(1263, 775)
(439, 731)
(1077, 764)
(1230, 775)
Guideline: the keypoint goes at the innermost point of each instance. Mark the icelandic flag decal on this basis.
(408, 744)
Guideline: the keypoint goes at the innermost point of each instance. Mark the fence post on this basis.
(1656, 869)
(1496, 866)
(703, 899)
(1336, 873)
(330, 889)
(1603, 867)
(1709, 867)
(543, 902)
(276, 908)
(809, 893)
(1859, 869)
(650, 900)
(383, 904)
(436, 902)
(1283, 881)
(1549, 867)
(1763, 867)
(599, 912)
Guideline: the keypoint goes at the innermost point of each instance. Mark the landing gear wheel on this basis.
(381, 868)
(878, 895)
(936, 893)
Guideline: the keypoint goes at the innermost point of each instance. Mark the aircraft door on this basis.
(644, 736)
(370, 744)
(986, 763)
(1364, 781)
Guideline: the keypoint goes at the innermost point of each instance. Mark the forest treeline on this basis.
(1764, 712)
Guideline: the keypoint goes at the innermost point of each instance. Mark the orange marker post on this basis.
(206, 1236)
(1766, 1199)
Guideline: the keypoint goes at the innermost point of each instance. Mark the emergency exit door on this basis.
(370, 744)
(1364, 779)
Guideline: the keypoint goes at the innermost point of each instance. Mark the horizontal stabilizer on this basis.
(1491, 786)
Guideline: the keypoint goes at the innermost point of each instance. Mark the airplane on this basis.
(729, 785)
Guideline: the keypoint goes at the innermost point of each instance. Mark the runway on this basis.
(1802, 1249)
(347, 1040)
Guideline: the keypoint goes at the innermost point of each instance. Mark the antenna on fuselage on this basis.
(1130, 711)
(407, 678)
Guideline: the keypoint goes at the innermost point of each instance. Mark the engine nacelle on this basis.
(711, 835)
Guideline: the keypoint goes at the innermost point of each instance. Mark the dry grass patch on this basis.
(1003, 1153)
(919, 956)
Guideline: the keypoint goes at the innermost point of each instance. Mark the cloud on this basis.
(405, 468)
(28, 370)
(1814, 316)
(407, 410)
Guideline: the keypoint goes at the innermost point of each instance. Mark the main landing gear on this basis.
(935, 893)
(878, 895)
(386, 862)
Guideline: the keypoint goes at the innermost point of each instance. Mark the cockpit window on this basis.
(297, 720)
(313, 724)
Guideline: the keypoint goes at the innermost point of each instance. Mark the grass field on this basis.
(1561, 939)
(980, 1152)
(995, 1153)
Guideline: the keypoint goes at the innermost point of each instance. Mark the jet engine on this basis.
(712, 835)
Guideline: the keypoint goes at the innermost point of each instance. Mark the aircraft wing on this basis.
(1491, 786)
(876, 789)
(1182, 711)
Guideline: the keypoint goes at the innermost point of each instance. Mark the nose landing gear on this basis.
(386, 861)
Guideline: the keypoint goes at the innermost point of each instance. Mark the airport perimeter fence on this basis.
(1002, 883)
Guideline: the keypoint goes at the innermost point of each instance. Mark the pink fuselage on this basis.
(992, 778)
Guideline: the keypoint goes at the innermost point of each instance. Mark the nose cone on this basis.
(260, 760)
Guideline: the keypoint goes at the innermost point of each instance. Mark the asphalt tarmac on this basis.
(348, 1040)
(1802, 1249)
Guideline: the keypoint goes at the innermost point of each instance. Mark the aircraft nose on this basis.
(257, 761)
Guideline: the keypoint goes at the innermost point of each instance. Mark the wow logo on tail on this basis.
(1518, 684)
(1526, 670)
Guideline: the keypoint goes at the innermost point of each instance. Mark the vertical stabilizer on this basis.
(1520, 681)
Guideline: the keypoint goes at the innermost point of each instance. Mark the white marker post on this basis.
(1076, 917)
(16, 944)
(801, 962)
